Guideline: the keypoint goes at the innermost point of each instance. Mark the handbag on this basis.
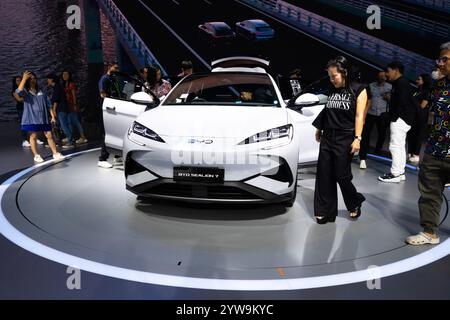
(57, 131)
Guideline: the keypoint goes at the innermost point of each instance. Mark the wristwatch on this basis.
(358, 138)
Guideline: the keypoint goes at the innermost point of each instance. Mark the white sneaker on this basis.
(118, 161)
(39, 142)
(26, 144)
(403, 177)
(421, 239)
(414, 159)
(67, 146)
(38, 159)
(104, 164)
(363, 164)
(58, 156)
(81, 141)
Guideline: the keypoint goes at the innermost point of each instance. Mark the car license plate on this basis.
(199, 174)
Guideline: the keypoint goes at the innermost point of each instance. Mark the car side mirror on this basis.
(305, 100)
(142, 98)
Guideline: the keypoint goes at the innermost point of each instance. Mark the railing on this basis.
(141, 54)
(410, 20)
(364, 46)
(442, 5)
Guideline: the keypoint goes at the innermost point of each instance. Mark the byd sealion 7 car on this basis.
(221, 136)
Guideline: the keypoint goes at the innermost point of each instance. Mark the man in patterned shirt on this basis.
(435, 167)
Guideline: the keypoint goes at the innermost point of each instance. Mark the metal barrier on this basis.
(443, 5)
(396, 17)
(139, 53)
(364, 46)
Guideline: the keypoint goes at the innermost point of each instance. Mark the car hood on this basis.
(212, 121)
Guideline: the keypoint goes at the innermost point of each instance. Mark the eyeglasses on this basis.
(443, 59)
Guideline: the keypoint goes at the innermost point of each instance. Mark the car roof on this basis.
(218, 24)
(240, 70)
(258, 22)
(244, 62)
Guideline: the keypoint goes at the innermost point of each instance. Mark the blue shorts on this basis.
(37, 127)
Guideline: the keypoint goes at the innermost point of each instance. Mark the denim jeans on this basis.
(74, 122)
(63, 118)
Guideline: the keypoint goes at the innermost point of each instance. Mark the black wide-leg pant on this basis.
(334, 167)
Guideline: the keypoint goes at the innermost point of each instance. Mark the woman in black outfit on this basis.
(417, 133)
(339, 128)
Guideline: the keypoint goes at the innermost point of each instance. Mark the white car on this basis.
(255, 30)
(225, 135)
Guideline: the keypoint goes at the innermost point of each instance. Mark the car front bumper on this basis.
(264, 177)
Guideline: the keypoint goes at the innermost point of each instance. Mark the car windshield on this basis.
(225, 88)
(223, 31)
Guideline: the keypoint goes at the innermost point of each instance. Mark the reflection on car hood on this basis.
(212, 121)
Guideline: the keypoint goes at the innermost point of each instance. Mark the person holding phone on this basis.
(37, 114)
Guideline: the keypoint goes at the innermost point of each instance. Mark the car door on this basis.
(118, 115)
(303, 119)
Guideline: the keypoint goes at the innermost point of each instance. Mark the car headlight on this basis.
(145, 132)
(272, 134)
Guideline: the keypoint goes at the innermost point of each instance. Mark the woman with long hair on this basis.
(417, 133)
(37, 113)
(70, 88)
(339, 128)
(158, 85)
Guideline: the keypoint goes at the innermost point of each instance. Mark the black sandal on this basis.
(355, 214)
(325, 219)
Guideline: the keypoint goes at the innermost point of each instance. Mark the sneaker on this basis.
(414, 159)
(39, 142)
(26, 144)
(403, 177)
(68, 146)
(421, 239)
(64, 141)
(38, 159)
(118, 161)
(363, 164)
(104, 164)
(390, 178)
(81, 141)
(58, 156)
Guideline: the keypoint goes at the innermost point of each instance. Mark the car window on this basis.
(223, 31)
(125, 86)
(224, 88)
(266, 28)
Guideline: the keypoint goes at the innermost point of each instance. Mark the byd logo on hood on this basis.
(193, 141)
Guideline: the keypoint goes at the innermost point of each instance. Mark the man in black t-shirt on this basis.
(402, 112)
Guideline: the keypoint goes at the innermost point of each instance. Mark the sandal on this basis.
(421, 239)
(324, 220)
(355, 214)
